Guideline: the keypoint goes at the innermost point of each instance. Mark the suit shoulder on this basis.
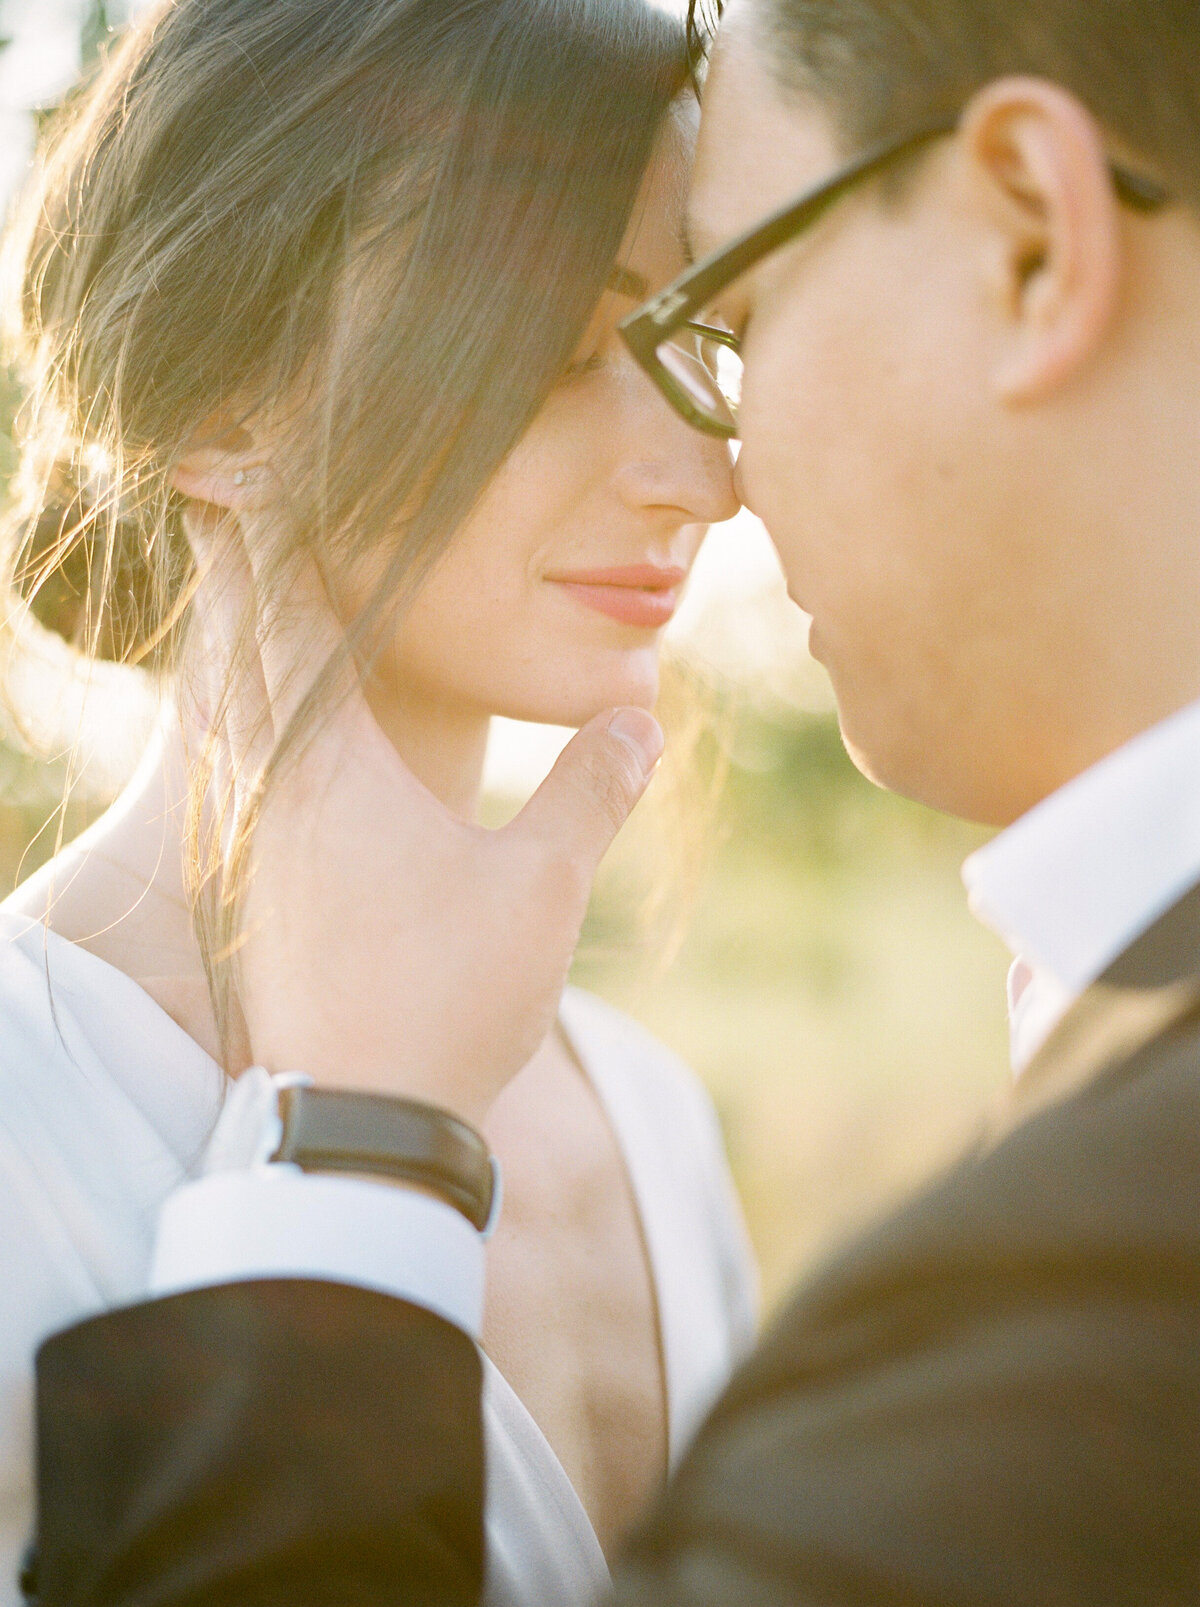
(993, 1395)
(1086, 1217)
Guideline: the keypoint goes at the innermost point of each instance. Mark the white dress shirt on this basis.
(243, 1218)
(1072, 883)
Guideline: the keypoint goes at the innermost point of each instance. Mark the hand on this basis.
(385, 944)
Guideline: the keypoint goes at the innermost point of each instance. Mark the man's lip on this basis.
(814, 643)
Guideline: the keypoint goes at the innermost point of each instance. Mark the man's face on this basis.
(963, 597)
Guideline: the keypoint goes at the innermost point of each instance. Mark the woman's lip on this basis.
(642, 595)
(639, 606)
(644, 577)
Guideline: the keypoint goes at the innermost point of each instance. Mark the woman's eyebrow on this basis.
(624, 282)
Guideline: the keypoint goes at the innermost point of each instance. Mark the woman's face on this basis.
(550, 603)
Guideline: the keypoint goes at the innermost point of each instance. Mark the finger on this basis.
(588, 796)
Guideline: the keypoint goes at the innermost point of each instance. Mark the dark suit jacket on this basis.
(992, 1400)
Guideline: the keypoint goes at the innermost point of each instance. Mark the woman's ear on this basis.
(224, 467)
(1038, 156)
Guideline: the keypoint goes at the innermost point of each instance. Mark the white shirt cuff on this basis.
(275, 1221)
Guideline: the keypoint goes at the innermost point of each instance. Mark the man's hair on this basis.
(881, 66)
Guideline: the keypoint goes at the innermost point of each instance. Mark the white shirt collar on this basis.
(1072, 883)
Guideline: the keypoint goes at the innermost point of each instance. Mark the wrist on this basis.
(382, 1136)
(402, 1184)
(284, 1119)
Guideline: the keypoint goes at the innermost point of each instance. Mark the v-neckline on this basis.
(575, 1533)
(634, 1142)
(639, 1146)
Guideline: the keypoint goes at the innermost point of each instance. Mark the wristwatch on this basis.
(284, 1119)
(331, 1130)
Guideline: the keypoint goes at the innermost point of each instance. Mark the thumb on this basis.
(588, 796)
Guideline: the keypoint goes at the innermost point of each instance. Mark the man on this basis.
(969, 419)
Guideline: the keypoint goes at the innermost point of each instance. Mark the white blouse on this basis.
(106, 1106)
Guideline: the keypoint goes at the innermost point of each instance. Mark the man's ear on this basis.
(1038, 155)
(224, 467)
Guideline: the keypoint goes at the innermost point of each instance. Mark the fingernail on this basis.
(639, 731)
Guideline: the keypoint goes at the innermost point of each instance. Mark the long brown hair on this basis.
(400, 213)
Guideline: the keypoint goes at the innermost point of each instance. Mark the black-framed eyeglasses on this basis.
(696, 365)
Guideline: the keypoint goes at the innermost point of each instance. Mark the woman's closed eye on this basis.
(728, 315)
(582, 366)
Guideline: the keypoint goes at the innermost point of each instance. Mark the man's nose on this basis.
(740, 490)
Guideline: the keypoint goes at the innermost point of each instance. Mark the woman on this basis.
(320, 304)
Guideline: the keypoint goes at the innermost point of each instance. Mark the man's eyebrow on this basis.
(624, 282)
(687, 233)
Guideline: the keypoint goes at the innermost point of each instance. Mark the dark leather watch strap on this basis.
(330, 1130)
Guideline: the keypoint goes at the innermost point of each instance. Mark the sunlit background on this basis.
(819, 969)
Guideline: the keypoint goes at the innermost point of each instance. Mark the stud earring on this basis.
(240, 477)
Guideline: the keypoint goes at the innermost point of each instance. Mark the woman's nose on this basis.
(669, 465)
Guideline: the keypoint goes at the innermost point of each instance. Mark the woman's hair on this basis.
(395, 216)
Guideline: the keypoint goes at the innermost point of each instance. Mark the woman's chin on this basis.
(577, 708)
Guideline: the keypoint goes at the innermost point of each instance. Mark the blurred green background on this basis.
(843, 1007)
(831, 988)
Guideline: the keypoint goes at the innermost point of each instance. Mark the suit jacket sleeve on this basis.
(261, 1443)
(992, 1401)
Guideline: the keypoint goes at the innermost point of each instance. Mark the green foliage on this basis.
(94, 34)
(10, 398)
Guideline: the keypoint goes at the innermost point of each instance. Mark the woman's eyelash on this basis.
(585, 365)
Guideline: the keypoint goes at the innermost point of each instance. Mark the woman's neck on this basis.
(120, 890)
(443, 743)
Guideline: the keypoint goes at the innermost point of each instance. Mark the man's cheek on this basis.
(770, 435)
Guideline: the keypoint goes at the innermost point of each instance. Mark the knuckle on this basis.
(611, 783)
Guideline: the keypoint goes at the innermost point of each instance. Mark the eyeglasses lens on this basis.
(707, 372)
